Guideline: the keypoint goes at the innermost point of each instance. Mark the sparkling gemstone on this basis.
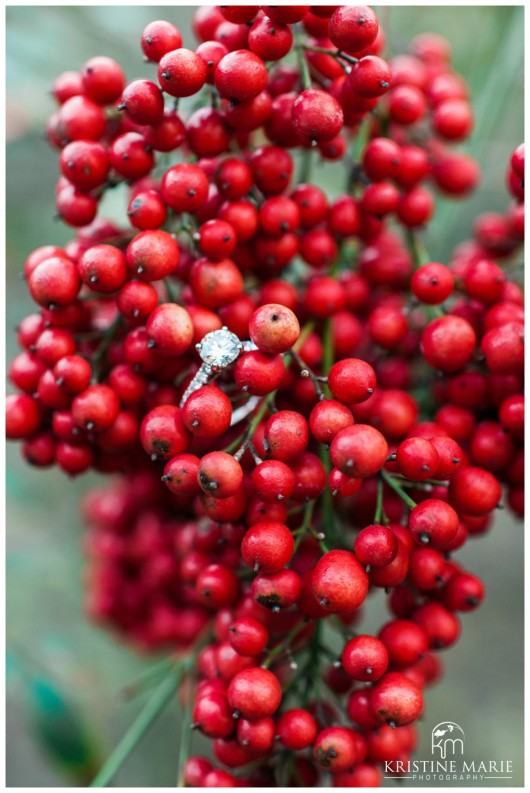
(219, 348)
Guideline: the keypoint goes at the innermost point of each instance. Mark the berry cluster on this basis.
(361, 436)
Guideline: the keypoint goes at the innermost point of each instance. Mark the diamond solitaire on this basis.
(219, 348)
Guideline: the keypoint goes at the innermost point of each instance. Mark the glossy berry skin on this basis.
(440, 625)
(163, 433)
(376, 546)
(185, 187)
(426, 569)
(363, 775)
(433, 522)
(271, 41)
(365, 658)
(23, 416)
(181, 72)
(241, 75)
(339, 582)
(248, 636)
(170, 330)
(217, 586)
(448, 343)
(143, 102)
(147, 210)
(95, 408)
(450, 456)
(370, 77)
(267, 547)
(463, 592)
(207, 412)
(152, 255)
(335, 749)
(316, 116)
(180, 475)
(395, 700)
(286, 435)
(255, 693)
(405, 642)
(220, 474)
(359, 451)
(351, 380)
(432, 283)
(276, 590)
(136, 300)
(327, 418)
(474, 491)
(213, 716)
(85, 164)
(273, 480)
(417, 459)
(103, 268)
(217, 239)
(195, 770)
(259, 374)
(296, 729)
(73, 373)
(353, 28)
(131, 156)
(103, 80)
(158, 38)
(256, 735)
(54, 282)
(274, 328)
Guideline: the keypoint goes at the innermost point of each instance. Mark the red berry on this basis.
(359, 451)
(353, 28)
(395, 700)
(433, 522)
(351, 380)
(158, 38)
(240, 76)
(248, 636)
(339, 582)
(316, 116)
(255, 693)
(335, 749)
(376, 546)
(267, 547)
(296, 729)
(181, 72)
(365, 658)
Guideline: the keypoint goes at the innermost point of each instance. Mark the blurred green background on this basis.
(64, 675)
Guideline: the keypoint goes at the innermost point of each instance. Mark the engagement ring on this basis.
(219, 349)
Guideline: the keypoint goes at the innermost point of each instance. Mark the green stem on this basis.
(301, 532)
(305, 371)
(249, 432)
(306, 331)
(149, 678)
(280, 648)
(156, 704)
(306, 165)
(303, 66)
(420, 254)
(396, 487)
(379, 510)
(171, 293)
(186, 736)
(106, 340)
(327, 498)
